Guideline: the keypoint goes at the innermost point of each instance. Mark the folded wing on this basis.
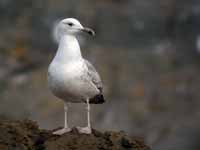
(96, 80)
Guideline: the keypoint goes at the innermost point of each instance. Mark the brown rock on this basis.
(23, 135)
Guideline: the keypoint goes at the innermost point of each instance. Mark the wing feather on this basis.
(94, 76)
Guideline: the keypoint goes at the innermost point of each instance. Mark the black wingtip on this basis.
(98, 99)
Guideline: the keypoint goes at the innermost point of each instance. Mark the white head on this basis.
(70, 26)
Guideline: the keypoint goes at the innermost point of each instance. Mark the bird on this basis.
(71, 77)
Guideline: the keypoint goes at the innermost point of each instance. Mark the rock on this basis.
(23, 135)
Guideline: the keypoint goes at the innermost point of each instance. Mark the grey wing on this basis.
(94, 76)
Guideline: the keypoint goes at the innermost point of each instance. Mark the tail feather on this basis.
(98, 99)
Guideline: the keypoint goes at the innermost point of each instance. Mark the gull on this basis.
(71, 77)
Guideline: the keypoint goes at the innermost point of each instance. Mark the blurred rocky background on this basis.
(147, 52)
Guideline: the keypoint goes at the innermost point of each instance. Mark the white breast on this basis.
(65, 81)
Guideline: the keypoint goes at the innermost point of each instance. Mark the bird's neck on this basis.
(68, 49)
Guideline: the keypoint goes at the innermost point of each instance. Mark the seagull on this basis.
(71, 77)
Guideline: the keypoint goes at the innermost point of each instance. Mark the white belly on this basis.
(66, 82)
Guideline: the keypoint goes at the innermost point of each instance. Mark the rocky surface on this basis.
(25, 135)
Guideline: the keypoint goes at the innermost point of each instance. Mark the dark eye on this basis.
(70, 24)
